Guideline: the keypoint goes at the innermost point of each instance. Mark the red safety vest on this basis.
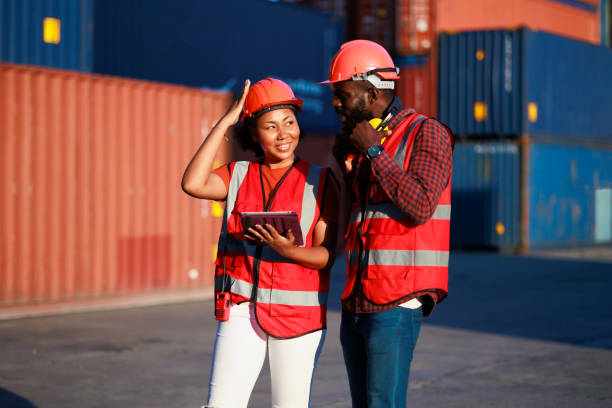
(396, 258)
(290, 299)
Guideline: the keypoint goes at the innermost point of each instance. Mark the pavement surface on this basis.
(516, 331)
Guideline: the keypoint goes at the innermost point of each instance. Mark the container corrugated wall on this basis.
(417, 86)
(569, 18)
(574, 207)
(414, 27)
(372, 20)
(216, 44)
(90, 175)
(504, 196)
(509, 83)
(485, 195)
(480, 78)
(52, 33)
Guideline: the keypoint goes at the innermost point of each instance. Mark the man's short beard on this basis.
(356, 115)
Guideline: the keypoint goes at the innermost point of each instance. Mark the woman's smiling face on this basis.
(278, 134)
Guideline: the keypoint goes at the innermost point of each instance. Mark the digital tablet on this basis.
(280, 220)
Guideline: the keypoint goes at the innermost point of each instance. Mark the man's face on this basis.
(350, 103)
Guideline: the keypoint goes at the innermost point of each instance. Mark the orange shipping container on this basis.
(574, 21)
(90, 172)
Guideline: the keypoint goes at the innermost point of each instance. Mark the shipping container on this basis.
(373, 20)
(504, 197)
(417, 86)
(52, 33)
(570, 18)
(574, 207)
(219, 44)
(337, 8)
(524, 82)
(90, 172)
(606, 18)
(414, 32)
(485, 195)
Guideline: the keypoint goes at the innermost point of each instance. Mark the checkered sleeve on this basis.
(416, 192)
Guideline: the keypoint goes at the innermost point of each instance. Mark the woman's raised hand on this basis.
(233, 113)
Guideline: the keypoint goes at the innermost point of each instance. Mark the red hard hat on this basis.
(360, 60)
(268, 94)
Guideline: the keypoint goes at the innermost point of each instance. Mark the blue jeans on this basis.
(377, 351)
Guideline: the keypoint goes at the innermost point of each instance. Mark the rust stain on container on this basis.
(90, 171)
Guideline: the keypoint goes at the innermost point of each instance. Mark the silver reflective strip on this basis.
(276, 296)
(388, 210)
(402, 257)
(309, 201)
(238, 175)
(443, 212)
(400, 153)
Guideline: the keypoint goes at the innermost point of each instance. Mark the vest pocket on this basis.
(286, 298)
(388, 256)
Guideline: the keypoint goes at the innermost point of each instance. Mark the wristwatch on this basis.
(374, 151)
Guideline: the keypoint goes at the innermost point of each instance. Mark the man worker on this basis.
(397, 166)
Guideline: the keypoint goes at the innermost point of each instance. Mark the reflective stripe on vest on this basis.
(309, 201)
(238, 175)
(276, 296)
(391, 256)
(274, 292)
(402, 257)
(400, 153)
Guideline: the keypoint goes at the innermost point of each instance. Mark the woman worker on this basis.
(277, 290)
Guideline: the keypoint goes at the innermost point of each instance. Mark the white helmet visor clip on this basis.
(376, 80)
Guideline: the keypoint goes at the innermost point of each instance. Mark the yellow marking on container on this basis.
(51, 30)
(217, 209)
(480, 55)
(214, 252)
(480, 111)
(500, 229)
(532, 111)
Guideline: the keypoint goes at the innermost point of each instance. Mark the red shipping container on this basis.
(417, 86)
(581, 23)
(372, 20)
(90, 173)
(413, 32)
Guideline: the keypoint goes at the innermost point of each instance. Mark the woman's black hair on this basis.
(243, 132)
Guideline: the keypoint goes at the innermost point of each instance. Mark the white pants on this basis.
(240, 350)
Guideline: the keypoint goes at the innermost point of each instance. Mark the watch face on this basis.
(374, 151)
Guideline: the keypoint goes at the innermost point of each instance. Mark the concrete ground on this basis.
(515, 331)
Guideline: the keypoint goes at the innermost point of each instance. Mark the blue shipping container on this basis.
(216, 44)
(570, 196)
(524, 82)
(546, 196)
(51, 33)
(485, 195)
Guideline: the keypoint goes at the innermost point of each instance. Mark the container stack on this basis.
(526, 87)
(91, 164)
(540, 103)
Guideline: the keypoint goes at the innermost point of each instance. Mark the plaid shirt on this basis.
(415, 192)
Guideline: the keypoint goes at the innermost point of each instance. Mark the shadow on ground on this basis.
(11, 400)
(559, 300)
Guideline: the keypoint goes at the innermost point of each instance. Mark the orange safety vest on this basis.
(290, 299)
(392, 257)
